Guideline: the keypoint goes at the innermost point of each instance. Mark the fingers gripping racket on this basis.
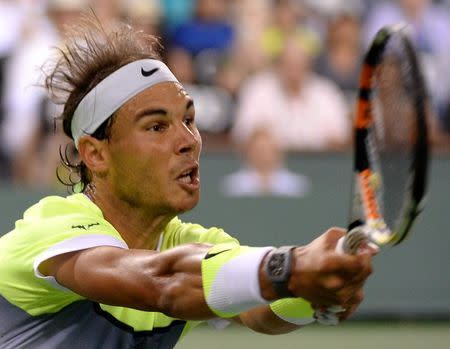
(390, 144)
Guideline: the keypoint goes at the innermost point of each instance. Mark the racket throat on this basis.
(374, 227)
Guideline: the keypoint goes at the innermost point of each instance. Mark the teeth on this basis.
(185, 179)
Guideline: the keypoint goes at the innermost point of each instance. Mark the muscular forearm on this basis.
(198, 281)
(168, 282)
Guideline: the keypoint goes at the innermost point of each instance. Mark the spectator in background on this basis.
(340, 60)
(247, 55)
(11, 21)
(286, 24)
(305, 111)
(144, 15)
(263, 171)
(430, 29)
(208, 37)
(23, 98)
(199, 48)
(106, 10)
(62, 13)
(320, 11)
(182, 65)
(214, 105)
(175, 13)
(445, 119)
(37, 154)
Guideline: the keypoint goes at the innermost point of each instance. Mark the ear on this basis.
(93, 153)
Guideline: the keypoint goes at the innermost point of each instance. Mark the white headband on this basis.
(113, 91)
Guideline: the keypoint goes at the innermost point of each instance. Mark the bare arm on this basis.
(168, 282)
(263, 320)
(171, 281)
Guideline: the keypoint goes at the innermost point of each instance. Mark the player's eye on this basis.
(189, 120)
(158, 127)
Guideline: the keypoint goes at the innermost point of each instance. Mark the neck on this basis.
(139, 228)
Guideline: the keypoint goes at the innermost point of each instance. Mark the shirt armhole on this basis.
(71, 245)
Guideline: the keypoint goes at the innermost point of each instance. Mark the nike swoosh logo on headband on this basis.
(149, 72)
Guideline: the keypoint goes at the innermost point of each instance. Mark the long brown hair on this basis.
(89, 55)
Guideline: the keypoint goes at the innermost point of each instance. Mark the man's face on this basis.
(294, 64)
(263, 151)
(154, 151)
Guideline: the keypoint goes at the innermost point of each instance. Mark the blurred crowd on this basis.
(278, 72)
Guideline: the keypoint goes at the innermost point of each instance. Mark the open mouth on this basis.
(190, 176)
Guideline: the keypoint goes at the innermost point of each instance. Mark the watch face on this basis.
(277, 267)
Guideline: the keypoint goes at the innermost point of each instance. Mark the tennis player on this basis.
(112, 266)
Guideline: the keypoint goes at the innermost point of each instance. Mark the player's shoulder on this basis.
(59, 206)
(178, 232)
(55, 218)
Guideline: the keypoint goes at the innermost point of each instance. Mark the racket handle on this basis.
(328, 316)
(340, 246)
(351, 242)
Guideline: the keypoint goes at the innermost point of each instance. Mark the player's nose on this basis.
(188, 139)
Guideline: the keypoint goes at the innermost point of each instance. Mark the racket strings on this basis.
(393, 130)
(393, 105)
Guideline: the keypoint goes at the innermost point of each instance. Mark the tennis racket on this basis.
(390, 147)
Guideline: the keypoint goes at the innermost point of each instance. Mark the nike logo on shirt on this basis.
(210, 255)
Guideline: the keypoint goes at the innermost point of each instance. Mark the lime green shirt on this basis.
(38, 308)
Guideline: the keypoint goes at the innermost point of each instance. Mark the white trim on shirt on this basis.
(71, 245)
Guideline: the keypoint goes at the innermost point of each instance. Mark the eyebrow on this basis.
(189, 104)
(158, 111)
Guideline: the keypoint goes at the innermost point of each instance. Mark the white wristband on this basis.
(235, 287)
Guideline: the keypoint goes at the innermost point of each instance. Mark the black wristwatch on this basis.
(278, 269)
